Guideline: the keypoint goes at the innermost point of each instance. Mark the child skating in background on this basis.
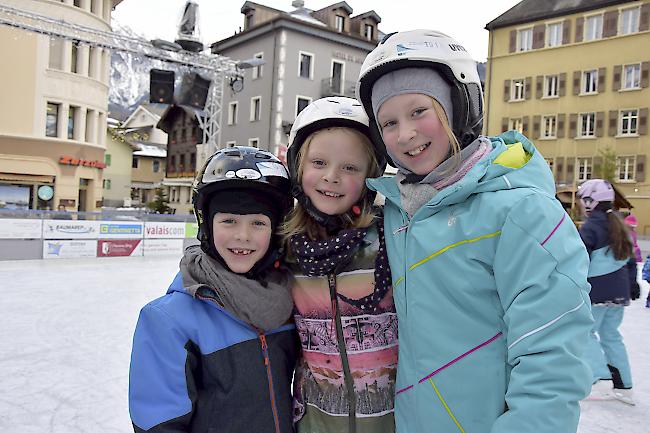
(216, 353)
(612, 275)
(489, 274)
(344, 312)
(632, 223)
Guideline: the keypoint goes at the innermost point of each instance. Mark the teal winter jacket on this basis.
(491, 292)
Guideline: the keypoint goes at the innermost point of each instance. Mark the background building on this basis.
(574, 77)
(52, 133)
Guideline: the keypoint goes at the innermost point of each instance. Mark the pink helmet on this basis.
(595, 191)
(631, 221)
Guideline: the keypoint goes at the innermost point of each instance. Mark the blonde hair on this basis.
(453, 140)
(299, 221)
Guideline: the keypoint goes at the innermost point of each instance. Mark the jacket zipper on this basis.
(267, 363)
(347, 375)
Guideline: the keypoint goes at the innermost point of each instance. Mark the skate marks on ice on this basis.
(66, 338)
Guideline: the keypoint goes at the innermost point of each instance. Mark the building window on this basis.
(587, 124)
(254, 142)
(590, 81)
(625, 168)
(305, 66)
(134, 162)
(554, 35)
(369, 33)
(107, 184)
(629, 21)
(301, 103)
(155, 166)
(181, 163)
(340, 23)
(107, 159)
(516, 125)
(193, 162)
(231, 143)
(517, 89)
(257, 70)
(550, 163)
(632, 76)
(583, 168)
(551, 86)
(629, 122)
(52, 120)
(256, 103)
(232, 113)
(249, 21)
(75, 57)
(593, 27)
(549, 125)
(72, 115)
(525, 39)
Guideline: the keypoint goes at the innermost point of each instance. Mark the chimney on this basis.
(298, 4)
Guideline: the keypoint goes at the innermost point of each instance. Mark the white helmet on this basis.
(430, 49)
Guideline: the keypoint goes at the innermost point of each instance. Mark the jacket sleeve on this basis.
(540, 269)
(645, 273)
(161, 393)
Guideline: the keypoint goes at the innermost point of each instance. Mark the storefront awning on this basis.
(26, 178)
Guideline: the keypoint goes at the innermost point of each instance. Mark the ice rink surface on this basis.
(65, 334)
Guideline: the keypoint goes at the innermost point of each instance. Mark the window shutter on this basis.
(539, 32)
(513, 41)
(504, 124)
(643, 121)
(576, 82)
(580, 22)
(600, 120)
(613, 123)
(524, 122)
(528, 85)
(539, 86)
(570, 163)
(644, 19)
(639, 176)
(563, 84)
(559, 168)
(536, 121)
(566, 32)
(560, 125)
(573, 125)
(602, 74)
(616, 80)
(610, 23)
(506, 90)
(645, 72)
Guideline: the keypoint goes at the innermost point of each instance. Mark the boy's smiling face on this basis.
(241, 240)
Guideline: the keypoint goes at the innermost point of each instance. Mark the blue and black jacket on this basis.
(197, 368)
(609, 278)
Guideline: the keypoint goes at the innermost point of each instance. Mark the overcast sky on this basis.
(462, 19)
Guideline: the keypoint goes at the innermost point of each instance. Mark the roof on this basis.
(369, 14)
(339, 5)
(533, 10)
(145, 149)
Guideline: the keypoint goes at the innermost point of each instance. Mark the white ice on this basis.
(66, 328)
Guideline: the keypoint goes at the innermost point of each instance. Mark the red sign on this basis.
(119, 248)
(69, 160)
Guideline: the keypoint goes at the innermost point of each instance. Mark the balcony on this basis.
(336, 87)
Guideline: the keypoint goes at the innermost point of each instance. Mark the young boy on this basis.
(216, 353)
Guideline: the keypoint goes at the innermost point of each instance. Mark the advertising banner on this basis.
(69, 229)
(53, 249)
(119, 247)
(164, 230)
(191, 230)
(11, 228)
(163, 247)
(120, 230)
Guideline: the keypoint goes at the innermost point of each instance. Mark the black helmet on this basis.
(238, 167)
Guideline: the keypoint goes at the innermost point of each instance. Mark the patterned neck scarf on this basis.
(322, 257)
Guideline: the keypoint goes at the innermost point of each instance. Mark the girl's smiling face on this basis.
(413, 132)
(334, 170)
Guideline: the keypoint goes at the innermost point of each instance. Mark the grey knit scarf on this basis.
(264, 304)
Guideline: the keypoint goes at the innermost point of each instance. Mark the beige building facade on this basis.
(53, 133)
(574, 77)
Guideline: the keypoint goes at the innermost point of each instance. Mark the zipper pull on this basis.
(264, 348)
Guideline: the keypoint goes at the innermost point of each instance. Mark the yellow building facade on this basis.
(574, 77)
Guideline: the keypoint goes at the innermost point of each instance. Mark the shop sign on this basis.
(163, 247)
(11, 228)
(164, 230)
(68, 229)
(69, 249)
(119, 248)
(45, 192)
(191, 230)
(70, 160)
(120, 230)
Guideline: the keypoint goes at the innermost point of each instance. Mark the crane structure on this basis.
(217, 67)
